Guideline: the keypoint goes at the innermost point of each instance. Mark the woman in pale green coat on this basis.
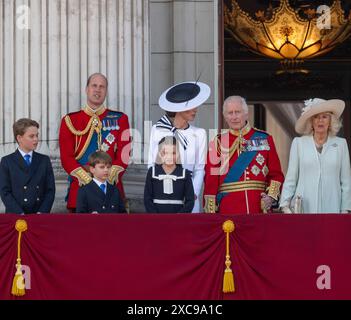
(319, 176)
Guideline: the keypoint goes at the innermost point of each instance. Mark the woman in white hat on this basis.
(319, 176)
(180, 103)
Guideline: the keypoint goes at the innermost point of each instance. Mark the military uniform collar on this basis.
(245, 130)
(90, 112)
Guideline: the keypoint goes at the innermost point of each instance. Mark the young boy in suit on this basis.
(99, 196)
(27, 183)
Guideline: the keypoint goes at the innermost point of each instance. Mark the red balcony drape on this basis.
(162, 257)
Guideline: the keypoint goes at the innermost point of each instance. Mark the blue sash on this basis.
(109, 123)
(240, 165)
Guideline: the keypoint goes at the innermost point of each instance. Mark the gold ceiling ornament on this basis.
(281, 33)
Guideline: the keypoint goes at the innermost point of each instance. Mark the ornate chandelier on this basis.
(282, 33)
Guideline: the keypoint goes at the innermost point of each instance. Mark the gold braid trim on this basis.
(221, 149)
(242, 186)
(226, 152)
(245, 130)
(274, 189)
(90, 112)
(86, 145)
(82, 176)
(74, 130)
(115, 170)
(210, 204)
(94, 124)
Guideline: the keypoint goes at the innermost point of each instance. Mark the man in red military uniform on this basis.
(93, 128)
(243, 172)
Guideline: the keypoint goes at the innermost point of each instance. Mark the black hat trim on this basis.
(183, 92)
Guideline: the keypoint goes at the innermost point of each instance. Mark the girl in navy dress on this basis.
(168, 187)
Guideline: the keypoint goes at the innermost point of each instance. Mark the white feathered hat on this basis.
(315, 106)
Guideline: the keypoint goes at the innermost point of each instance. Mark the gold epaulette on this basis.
(274, 189)
(210, 204)
(82, 176)
(115, 170)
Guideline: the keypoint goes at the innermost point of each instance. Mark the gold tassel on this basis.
(228, 280)
(18, 285)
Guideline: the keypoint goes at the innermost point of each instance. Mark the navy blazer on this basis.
(92, 199)
(27, 189)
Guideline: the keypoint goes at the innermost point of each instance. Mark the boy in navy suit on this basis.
(27, 183)
(99, 196)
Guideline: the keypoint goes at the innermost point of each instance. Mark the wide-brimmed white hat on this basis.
(315, 106)
(184, 96)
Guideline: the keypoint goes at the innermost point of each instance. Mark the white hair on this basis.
(235, 99)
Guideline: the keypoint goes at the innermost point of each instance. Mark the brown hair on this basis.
(170, 141)
(20, 126)
(171, 114)
(99, 157)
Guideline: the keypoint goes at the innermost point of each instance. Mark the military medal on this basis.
(255, 170)
(257, 145)
(105, 147)
(260, 159)
(265, 171)
(110, 138)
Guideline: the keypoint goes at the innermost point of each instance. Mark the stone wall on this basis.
(143, 46)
